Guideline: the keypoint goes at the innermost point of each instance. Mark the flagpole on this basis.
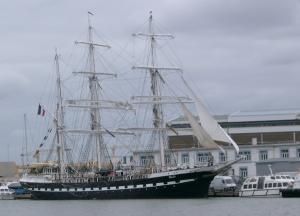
(26, 140)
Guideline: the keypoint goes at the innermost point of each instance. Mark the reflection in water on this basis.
(168, 207)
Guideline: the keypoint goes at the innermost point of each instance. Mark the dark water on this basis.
(174, 207)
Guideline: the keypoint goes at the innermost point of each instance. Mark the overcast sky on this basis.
(239, 54)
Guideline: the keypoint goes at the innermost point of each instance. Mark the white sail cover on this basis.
(204, 139)
(209, 124)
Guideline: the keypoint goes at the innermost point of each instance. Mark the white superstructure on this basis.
(259, 186)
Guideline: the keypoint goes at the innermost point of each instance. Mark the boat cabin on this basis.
(265, 185)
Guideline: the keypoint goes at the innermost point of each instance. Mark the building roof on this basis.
(258, 115)
(265, 115)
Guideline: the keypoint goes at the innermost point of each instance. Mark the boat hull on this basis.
(290, 192)
(7, 196)
(260, 193)
(188, 185)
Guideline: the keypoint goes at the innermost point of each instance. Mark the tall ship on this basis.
(94, 174)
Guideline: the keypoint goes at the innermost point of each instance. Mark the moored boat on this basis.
(98, 177)
(19, 191)
(6, 193)
(265, 186)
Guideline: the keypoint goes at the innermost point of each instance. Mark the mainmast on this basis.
(93, 85)
(94, 88)
(59, 119)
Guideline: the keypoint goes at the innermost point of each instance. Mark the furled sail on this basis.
(209, 124)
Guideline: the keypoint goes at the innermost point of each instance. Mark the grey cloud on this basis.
(238, 54)
(233, 16)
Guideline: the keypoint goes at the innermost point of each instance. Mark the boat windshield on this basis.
(228, 181)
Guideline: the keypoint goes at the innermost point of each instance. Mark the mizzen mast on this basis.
(59, 119)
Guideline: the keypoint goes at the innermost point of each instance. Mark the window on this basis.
(168, 159)
(202, 157)
(254, 186)
(143, 160)
(284, 153)
(298, 153)
(222, 157)
(269, 185)
(229, 181)
(185, 158)
(131, 159)
(243, 172)
(124, 160)
(263, 155)
(146, 160)
(245, 186)
(274, 184)
(246, 155)
(279, 184)
(266, 185)
(250, 186)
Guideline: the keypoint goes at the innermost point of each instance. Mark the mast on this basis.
(94, 88)
(59, 120)
(158, 118)
(159, 133)
(93, 85)
(26, 142)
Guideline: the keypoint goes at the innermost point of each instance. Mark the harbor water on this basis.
(233, 206)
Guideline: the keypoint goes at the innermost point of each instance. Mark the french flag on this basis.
(41, 111)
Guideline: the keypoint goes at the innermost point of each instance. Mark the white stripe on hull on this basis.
(112, 188)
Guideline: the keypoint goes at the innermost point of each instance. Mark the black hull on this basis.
(187, 190)
(189, 185)
(290, 192)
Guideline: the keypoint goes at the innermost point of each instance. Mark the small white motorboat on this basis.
(6, 193)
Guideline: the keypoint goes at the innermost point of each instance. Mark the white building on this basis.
(265, 138)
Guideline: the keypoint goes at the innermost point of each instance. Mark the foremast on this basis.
(156, 88)
(159, 132)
